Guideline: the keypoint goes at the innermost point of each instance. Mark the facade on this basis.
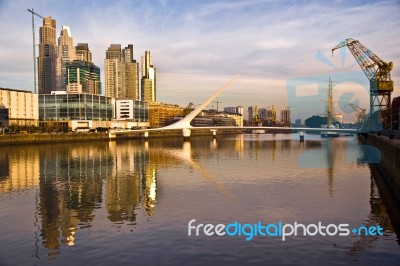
(238, 118)
(47, 60)
(223, 120)
(3, 117)
(396, 113)
(67, 107)
(234, 110)
(121, 73)
(131, 110)
(83, 53)
(162, 114)
(131, 74)
(83, 77)
(299, 122)
(148, 83)
(66, 54)
(252, 113)
(285, 117)
(22, 106)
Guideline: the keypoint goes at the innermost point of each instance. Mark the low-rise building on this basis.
(22, 107)
(74, 110)
(162, 114)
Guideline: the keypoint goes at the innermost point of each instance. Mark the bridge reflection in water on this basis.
(76, 185)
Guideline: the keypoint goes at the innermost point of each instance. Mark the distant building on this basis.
(83, 77)
(299, 122)
(285, 117)
(47, 59)
(162, 114)
(252, 113)
(220, 118)
(220, 121)
(131, 110)
(262, 113)
(234, 110)
(149, 84)
(22, 106)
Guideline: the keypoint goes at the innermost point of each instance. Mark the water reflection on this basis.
(19, 169)
(75, 184)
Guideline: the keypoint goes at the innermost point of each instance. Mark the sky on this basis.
(197, 46)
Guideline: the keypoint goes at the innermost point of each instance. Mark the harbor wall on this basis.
(389, 165)
(15, 139)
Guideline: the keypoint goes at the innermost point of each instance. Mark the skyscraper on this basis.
(148, 79)
(131, 72)
(113, 71)
(47, 58)
(66, 54)
(121, 73)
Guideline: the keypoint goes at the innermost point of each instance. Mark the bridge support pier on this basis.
(111, 136)
(301, 134)
(214, 133)
(186, 133)
(146, 134)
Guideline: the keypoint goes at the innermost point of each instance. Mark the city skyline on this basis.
(198, 46)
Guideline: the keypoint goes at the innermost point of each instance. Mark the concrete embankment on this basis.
(13, 139)
(390, 159)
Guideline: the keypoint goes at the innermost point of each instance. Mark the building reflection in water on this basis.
(73, 180)
(19, 168)
(70, 189)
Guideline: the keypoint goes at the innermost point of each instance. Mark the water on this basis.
(129, 202)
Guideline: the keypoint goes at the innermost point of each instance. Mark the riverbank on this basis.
(390, 159)
(37, 138)
(16, 139)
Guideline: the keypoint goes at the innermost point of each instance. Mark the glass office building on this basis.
(64, 107)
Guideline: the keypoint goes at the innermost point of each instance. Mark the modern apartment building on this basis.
(83, 77)
(121, 73)
(66, 54)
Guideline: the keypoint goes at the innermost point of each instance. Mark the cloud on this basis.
(275, 44)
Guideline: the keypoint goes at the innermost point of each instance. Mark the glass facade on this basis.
(88, 76)
(75, 107)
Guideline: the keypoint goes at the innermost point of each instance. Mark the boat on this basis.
(258, 131)
(329, 134)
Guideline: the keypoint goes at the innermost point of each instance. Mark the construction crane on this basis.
(377, 72)
(34, 47)
(190, 107)
(360, 112)
(217, 102)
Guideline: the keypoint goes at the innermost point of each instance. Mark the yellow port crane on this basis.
(360, 112)
(377, 72)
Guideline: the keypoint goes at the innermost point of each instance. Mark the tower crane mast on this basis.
(34, 47)
(377, 72)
